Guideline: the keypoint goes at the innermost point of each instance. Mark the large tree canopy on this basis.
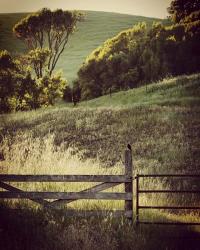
(180, 9)
(15, 84)
(19, 91)
(139, 55)
(50, 30)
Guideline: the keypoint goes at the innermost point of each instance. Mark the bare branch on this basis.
(51, 28)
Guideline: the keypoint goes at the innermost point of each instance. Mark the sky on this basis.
(149, 8)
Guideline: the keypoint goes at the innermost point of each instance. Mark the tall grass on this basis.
(91, 139)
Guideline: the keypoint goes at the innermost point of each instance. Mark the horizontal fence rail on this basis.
(66, 178)
(170, 191)
(65, 195)
(168, 207)
(170, 223)
(169, 175)
(151, 191)
(56, 199)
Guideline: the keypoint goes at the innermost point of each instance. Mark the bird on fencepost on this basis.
(129, 147)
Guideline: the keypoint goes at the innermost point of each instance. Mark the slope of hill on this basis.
(163, 126)
(152, 115)
(180, 91)
(97, 27)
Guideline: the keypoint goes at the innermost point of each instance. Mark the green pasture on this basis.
(97, 28)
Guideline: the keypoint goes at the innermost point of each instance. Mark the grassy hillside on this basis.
(97, 27)
(163, 126)
(102, 127)
(179, 91)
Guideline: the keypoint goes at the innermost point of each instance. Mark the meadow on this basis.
(97, 28)
(160, 121)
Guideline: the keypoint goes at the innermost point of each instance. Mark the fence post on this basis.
(129, 186)
(137, 200)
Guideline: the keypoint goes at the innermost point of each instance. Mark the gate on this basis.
(59, 198)
(140, 191)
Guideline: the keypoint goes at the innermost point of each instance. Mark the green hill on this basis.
(160, 110)
(161, 123)
(181, 91)
(97, 27)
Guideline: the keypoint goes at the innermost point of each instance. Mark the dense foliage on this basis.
(181, 9)
(15, 85)
(139, 55)
(47, 29)
(19, 91)
(28, 81)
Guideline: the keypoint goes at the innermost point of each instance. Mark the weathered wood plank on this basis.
(137, 202)
(97, 188)
(170, 207)
(65, 195)
(14, 189)
(171, 223)
(170, 191)
(169, 175)
(65, 178)
(128, 172)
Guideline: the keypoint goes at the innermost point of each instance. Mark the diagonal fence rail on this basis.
(56, 199)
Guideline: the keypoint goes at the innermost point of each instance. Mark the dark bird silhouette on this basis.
(129, 147)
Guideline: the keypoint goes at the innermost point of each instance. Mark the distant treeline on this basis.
(139, 55)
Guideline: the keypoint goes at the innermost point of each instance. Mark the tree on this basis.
(50, 88)
(180, 9)
(6, 83)
(76, 91)
(6, 61)
(38, 59)
(19, 91)
(139, 56)
(16, 85)
(47, 29)
(67, 96)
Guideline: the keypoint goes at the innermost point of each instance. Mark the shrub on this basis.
(19, 91)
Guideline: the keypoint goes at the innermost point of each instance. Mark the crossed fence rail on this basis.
(55, 199)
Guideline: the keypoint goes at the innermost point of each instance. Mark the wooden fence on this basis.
(60, 198)
(106, 181)
(151, 191)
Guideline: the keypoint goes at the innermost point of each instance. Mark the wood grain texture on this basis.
(128, 173)
(65, 178)
(65, 195)
(14, 189)
(97, 188)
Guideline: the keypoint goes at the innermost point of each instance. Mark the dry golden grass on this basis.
(85, 140)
